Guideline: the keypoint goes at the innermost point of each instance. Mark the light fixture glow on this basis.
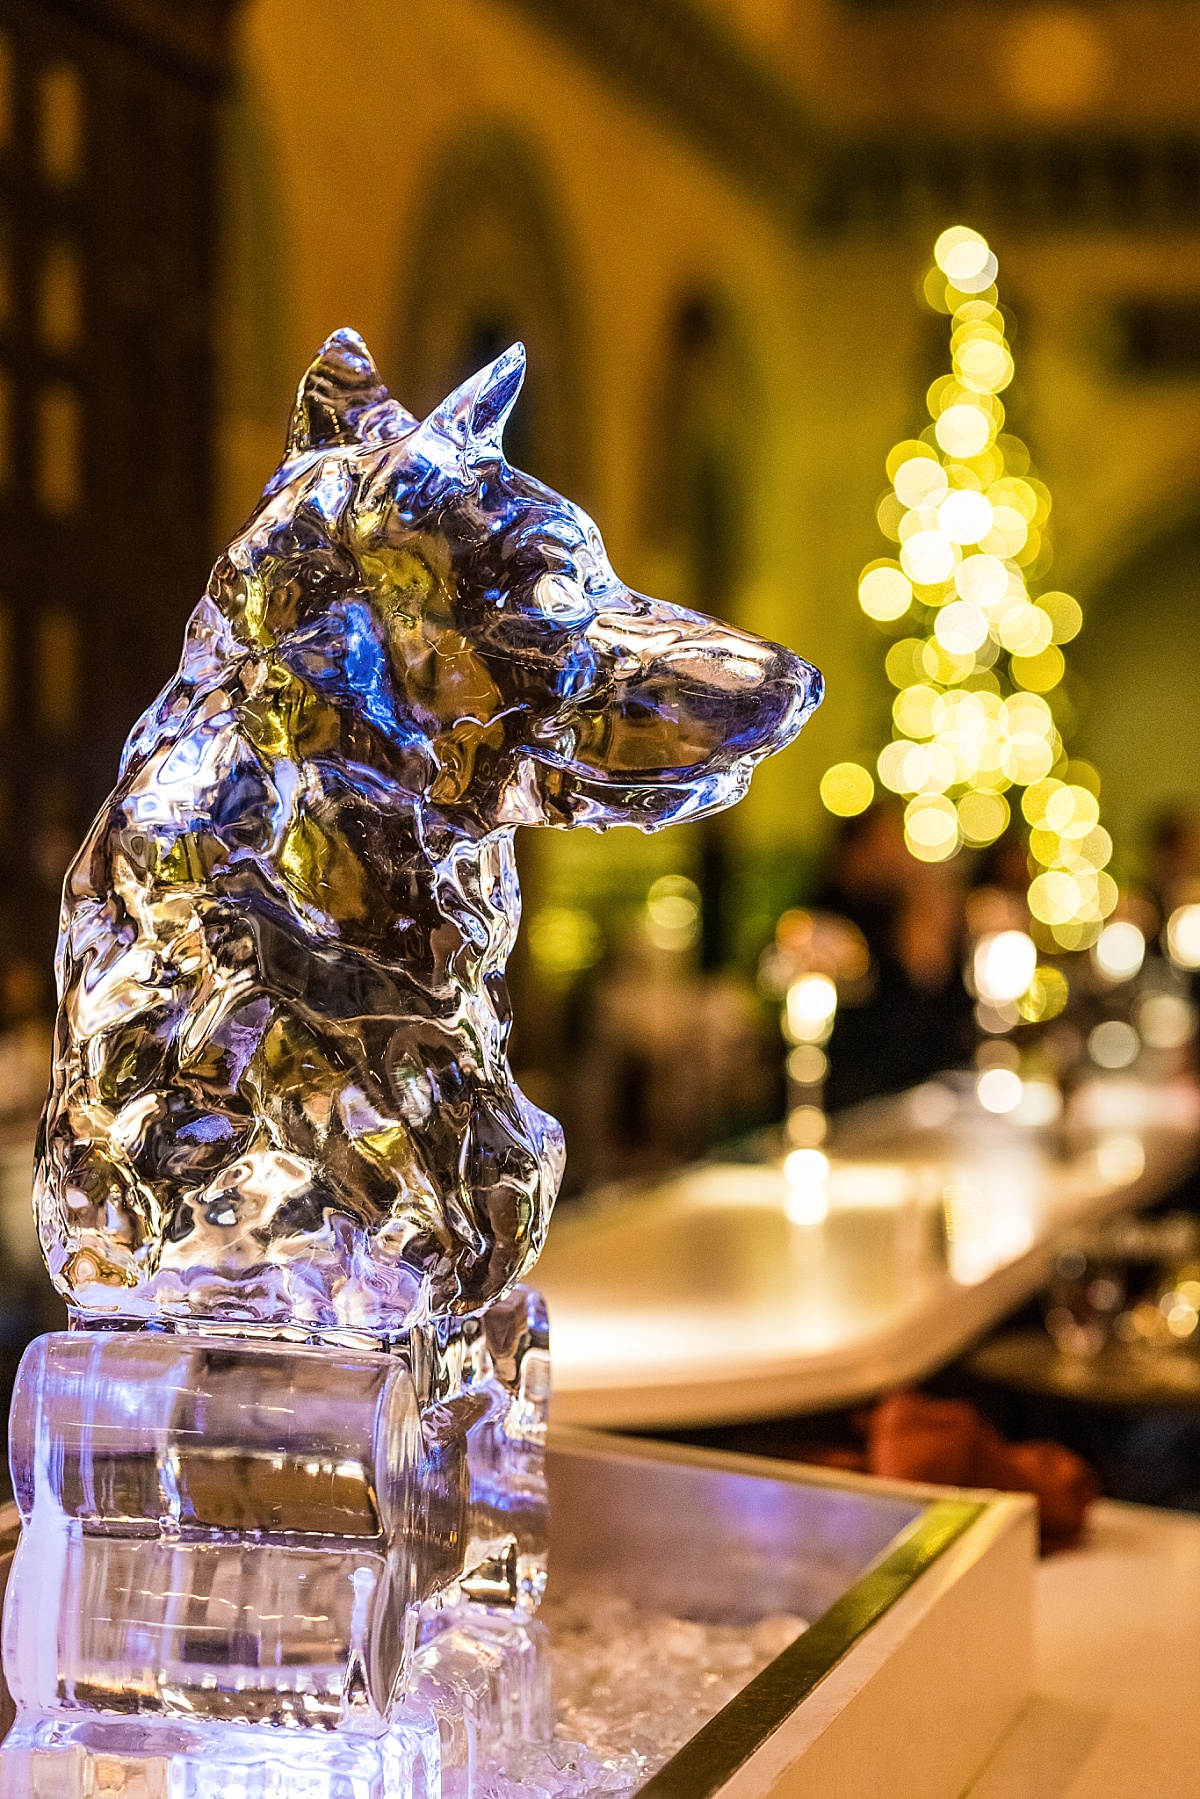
(1119, 951)
(999, 1090)
(1183, 936)
(1004, 966)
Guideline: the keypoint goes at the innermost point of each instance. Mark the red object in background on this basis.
(948, 1443)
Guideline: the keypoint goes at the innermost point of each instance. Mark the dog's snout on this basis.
(689, 691)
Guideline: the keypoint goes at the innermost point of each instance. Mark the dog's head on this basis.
(470, 618)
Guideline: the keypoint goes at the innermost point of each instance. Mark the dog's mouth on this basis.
(636, 736)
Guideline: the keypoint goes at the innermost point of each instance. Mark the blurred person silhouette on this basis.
(1173, 862)
(915, 1019)
(998, 899)
(1173, 880)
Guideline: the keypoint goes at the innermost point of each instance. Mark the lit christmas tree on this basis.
(978, 714)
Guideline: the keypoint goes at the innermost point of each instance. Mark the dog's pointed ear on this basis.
(475, 414)
(342, 400)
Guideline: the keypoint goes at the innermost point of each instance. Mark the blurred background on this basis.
(713, 224)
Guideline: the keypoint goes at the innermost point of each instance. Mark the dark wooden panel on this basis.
(107, 170)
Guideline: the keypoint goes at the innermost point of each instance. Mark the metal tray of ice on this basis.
(723, 1625)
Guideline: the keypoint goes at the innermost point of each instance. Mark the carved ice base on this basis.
(264, 1568)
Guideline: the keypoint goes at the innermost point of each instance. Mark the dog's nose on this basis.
(760, 691)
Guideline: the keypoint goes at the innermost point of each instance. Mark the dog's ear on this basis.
(342, 400)
(475, 414)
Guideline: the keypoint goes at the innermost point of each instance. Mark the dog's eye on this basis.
(562, 599)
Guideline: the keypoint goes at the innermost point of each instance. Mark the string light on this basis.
(975, 715)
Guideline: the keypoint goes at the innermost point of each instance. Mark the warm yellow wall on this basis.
(352, 106)
(354, 125)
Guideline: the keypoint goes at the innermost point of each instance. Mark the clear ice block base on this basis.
(125, 1759)
(256, 1566)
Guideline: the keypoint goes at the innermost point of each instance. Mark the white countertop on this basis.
(1116, 1711)
(701, 1301)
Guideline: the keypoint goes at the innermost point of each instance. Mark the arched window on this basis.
(485, 266)
(700, 437)
(256, 380)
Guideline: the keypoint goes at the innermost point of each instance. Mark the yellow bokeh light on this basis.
(928, 557)
(982, 817)
(1009, 532)
(1071, 811)
(1120, 951)
(1183, 936)
(914, 770)
(1045, 845)
(885, 592)
(1046, 995)
(1065, 615)
(1022, 628)
(1055, 897)
(1030, 551)
(984, 364)
(1027, 712)
(961, 628)
(809, 1009)
(931, 821)
(1096, 848)
(963, 430)
(979, 312)
(920, 481)
(964, 516)
(846, 789)
(1037, 798)
(1083, 775)
(1017, 495)
(938, 771)
(564, 941)
(960, 252)
(904, 451)
(903, 664)
(913, 710)
(982, 579)
(1025, 758)
(982, 283)
(917, 518)
(943, 665)
(1076, 933)
(891, 764)
(965, 259)
(1039, 673)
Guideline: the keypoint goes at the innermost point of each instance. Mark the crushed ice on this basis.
(630, 1688)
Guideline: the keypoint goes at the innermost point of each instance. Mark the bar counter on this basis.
(745, 1290)
(1115, 1712)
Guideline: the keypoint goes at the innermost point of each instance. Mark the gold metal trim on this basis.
(727, 1741)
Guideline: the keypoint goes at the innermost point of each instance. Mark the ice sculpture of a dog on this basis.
(281, 1094)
